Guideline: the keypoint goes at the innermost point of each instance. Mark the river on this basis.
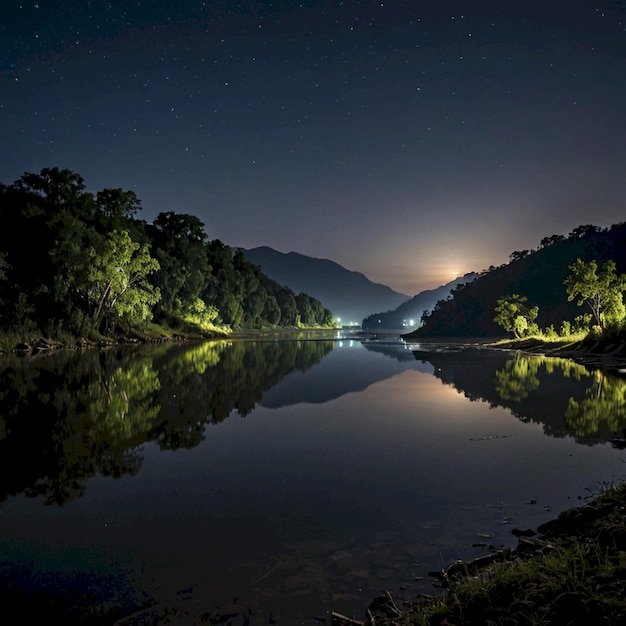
(293, 475)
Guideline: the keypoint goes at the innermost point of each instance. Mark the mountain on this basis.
(410, 312)
(350, 295)
(536, 274)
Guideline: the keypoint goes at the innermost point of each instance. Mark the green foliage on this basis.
(98, 409)
(4, 266)
(517, 379)
(179, 244)
(514, 316)
(246, 298)
(117, 206)
(550, 332)
(582, 324)
(600, 288)
(603, 408)
(118, 289)
(199, 314)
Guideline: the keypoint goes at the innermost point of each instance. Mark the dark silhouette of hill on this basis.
(414, 308)
(536, 274)
(350, 295)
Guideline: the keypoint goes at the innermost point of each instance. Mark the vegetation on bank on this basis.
(589, 254)
(75, 265)
(602, 291)
(572, 570)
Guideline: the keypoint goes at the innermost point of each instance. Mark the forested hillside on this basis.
(537, 275)
(77, 264)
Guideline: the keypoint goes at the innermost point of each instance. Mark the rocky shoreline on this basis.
(591, 587)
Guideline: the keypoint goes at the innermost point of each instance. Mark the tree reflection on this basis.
(68, 416)
(517, 378)
(566, 397)
(604, 408)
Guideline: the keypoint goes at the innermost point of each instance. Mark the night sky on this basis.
(410, 141)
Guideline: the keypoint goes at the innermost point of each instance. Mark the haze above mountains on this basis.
(350, 295)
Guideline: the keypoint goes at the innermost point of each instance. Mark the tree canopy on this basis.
(514, 316)
(83, 264)
(599, 287)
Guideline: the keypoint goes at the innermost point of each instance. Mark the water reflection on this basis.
(69, 416)
(568, 398)
(342, 469)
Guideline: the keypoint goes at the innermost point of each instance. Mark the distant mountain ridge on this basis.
(350, 295)
(409, 313)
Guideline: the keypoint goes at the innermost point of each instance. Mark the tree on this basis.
(181, 226)
(514, 316)
(57, 189)
(550, 241)
(178, 245)
(116, 207)
(118, 285)
(582, 231)
(519, 254)
(51, 217)
(600, 288)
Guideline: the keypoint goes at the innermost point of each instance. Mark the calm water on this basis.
(298, 476)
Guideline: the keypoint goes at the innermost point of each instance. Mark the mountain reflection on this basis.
(567, 398)
(68, 416)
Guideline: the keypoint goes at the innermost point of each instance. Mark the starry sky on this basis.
(412, 141)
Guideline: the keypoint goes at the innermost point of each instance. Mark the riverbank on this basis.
(38, 344)
(607, 352)
(570, 570)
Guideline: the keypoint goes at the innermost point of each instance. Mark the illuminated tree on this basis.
(118, 285)
(600, 288)
(515, 317)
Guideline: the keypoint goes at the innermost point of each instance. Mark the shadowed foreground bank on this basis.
(570, 570)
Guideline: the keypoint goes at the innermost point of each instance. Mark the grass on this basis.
(547, 341)
(578, 577)
(565, 584)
